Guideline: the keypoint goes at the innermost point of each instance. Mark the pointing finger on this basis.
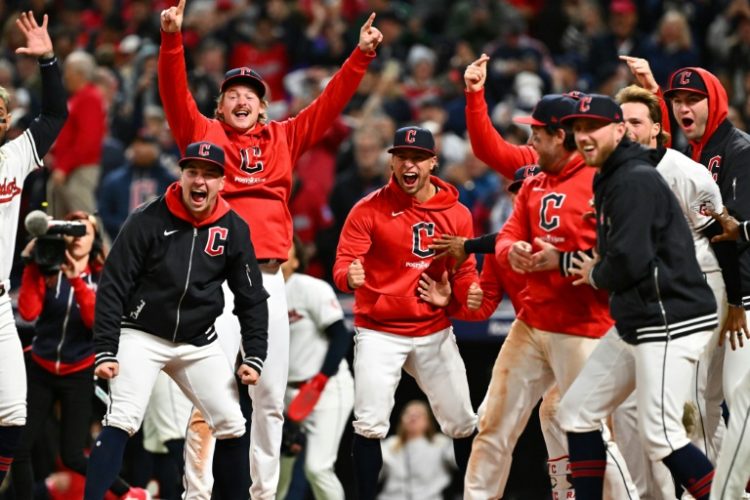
(368, 23)
(481, 61)
(181, 6)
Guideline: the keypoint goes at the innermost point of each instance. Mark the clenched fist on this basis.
(355, 276)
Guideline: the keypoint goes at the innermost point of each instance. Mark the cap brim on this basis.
(668, 93)
(183, 161)
(414, 148)
(250, 81)
(529, 120)
(514, 186)
(593, 117)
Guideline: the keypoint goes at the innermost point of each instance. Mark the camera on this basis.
(49, 250)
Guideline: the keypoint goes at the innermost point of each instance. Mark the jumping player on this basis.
(158, 298)
(663, 309)
(559, 327)
(320, 391)
(382, 255)
(18, 158)
(260, 159)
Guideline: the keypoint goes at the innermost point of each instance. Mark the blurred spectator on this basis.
(671, 47)
(113, 148)
(310, 217)
(141, 179)
(418, 461)
(78, 150)
(420, 85)
(207, 75)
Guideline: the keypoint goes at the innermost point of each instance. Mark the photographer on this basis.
(61, 299)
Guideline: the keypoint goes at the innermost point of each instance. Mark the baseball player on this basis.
(663, 309)
(17, 159)
(382, 255)
(557, 327)
(734, 460)
(320, 391)
(158, 298)
(260, 158)
(696, 192)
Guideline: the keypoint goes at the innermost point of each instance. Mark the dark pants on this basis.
(74, 393)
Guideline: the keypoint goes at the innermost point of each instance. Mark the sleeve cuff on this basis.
(104, 357)
(254, 362)
(47, 61)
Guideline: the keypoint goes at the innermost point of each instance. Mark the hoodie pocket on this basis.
(399, 308)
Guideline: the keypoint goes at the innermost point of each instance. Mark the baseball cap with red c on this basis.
(520, 175)
(416, 138)
(205, 152)
(244, 76)
(597, 107)
(686, 79)
(549, 111)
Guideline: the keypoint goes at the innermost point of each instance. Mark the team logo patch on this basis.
(549, 202)
(420, 232)
(217, 237)
(9, 190)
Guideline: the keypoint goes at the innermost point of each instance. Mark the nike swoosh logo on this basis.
(395, 214)
(169, 233)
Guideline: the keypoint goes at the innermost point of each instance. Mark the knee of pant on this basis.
(314, 471)
(130, 426)
(14, 414)
(460, 430)
(371, 431)
(547, 414)
(229, 428)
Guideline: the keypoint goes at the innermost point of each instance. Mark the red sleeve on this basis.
(487, 143)
(311, 123)
(516, 228)
(665, 125)
(467, 272)
(86, 299)
(185, 121)
(31, 293)
(489, 282)
(354, 243)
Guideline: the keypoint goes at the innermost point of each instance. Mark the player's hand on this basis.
(307, 397)
(369, 36)
(474, 297)
(642, 73)
(437, 293)
(28, 249)
(247, 374)
(171, 18)
(735, 328)
(547, 258)
(582, 266)
(38, 42)
(72, 268)
(476, 74)
(450, 246)
(355, 276)
(729, 225)
(519, 257)
(107, 370)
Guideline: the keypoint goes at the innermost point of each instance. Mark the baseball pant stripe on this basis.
(734, 460)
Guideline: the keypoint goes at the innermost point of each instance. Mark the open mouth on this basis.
(410, 179)
(198, 196)
(242, 113)
(687, 122)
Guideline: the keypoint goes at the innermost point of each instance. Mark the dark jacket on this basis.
(164, 276)
(648, 264)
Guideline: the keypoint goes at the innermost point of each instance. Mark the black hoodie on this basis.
(648, 264)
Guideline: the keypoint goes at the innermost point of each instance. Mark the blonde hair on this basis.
(634, 93)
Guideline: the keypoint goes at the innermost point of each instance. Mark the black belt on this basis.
(2, 289)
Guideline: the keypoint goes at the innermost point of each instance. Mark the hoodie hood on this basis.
(718, 107)
(446, 195)
(175, 205)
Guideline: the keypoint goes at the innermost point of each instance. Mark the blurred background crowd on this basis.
(116, 149)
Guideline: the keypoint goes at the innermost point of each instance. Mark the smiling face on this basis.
(596, 139)
(411, 169)
(640, 127)
(201, 183)
(4, 115)
(691, 112)
(240, 107)
(549, 147)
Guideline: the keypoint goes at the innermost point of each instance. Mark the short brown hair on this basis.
(634, 93)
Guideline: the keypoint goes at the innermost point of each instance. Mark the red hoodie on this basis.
(389, 232)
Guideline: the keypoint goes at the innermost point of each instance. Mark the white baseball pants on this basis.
(12, 369)
(267, 395)
(167, 415)
(657, 371)
(202, 373)
(323, 429)
(434, 362)
(529, 363)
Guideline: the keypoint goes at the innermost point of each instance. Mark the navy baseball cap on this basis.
(686, 79)
(245, 76)
(597, 107)
(521, 174)
(549, 111)
(417, 138)
(203, 151)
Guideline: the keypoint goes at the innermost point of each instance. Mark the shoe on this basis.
(136, 494)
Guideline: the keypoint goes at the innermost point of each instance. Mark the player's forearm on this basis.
(46, 127)
(86, 300)
(483, 244)
(340, 339)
